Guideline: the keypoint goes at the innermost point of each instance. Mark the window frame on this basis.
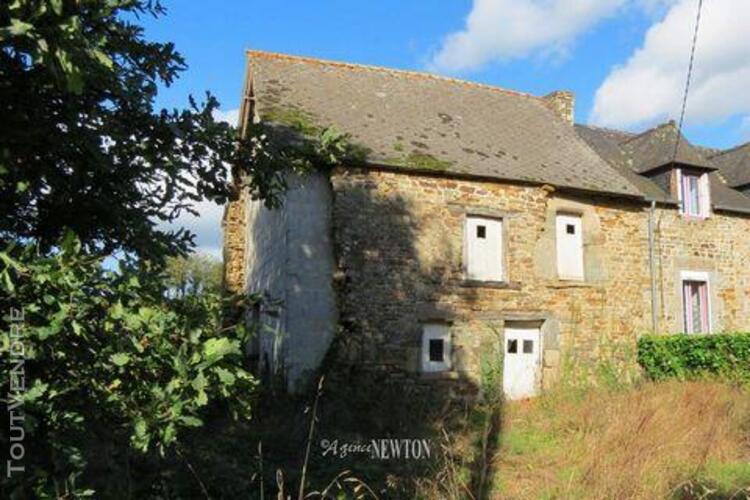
(696, 277)
(436, 331)
(703, 188)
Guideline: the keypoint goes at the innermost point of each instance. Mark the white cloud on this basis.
(655, 6)
(206, 226)
(648, 88)
(231, 116)
(506, 29)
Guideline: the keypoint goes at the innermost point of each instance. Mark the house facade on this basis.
(483, 227)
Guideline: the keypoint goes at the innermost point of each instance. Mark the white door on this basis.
(484, 248)
(569, 247)
(522, 362)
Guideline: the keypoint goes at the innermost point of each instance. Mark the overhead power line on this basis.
(687, 81)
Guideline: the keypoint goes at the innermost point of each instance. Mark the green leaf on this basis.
(36, 391)
(7, 282)
(103, 58)
(199, 382)
(216, 349)
(140, 438)
(120, 359)
(117, 311)
(19, 28)
(225, 376)
(191, 421)
(57, 6)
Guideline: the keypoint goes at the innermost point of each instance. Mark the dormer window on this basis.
(694, 193)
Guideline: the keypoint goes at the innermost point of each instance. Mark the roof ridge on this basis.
(654, 129)
(730, 150)
(607, 129)
(390, 71)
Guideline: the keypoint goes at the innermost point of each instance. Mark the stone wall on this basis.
(718, 245)
(235, 232)
(399, 262)
(399, 241)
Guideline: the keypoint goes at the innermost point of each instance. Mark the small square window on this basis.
(512, 346)
(570, 229)
(436, 350)
(481, 232)
(528, 346)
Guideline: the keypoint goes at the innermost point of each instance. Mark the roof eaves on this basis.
(727, 208)
(495, 179)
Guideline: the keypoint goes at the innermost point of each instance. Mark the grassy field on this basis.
(617, 437)
(644, 441)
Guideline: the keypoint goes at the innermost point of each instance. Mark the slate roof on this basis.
(655, 148)
(420, 121)
(629, 152)
(734, 165)
(606, 143)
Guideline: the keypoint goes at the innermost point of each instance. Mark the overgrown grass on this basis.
(652, 440)
(602, 432)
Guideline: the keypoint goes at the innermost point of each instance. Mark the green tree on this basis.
(114, 373)
(117, 369)
(193, 275)
(82, 146)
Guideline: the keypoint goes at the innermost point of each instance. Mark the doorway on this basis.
(522, 361)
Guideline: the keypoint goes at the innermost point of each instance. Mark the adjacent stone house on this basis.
(483, 227)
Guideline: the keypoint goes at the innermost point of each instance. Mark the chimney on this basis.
(562, 102)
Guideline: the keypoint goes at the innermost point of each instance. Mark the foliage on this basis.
(689, 356)
(120, 366)
(193, 275)
(108, 357)
(82, 146)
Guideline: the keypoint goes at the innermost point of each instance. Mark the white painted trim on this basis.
(704, 195)
(432, 331)
(694, 276)
(697, 276)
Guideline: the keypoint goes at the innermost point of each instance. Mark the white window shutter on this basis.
(705, 196)
(484, 248)
(569, 235)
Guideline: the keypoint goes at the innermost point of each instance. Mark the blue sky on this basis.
(624, 59)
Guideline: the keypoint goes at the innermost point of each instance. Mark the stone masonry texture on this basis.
(398, 241)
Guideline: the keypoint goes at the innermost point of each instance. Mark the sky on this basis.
(625, 60)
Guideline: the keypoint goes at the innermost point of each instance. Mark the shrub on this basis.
(690, 356)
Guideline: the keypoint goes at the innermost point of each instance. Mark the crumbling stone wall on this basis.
(235, 233)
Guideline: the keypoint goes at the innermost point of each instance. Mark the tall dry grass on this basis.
(649, 441)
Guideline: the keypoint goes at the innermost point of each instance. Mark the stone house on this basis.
(483, 226)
